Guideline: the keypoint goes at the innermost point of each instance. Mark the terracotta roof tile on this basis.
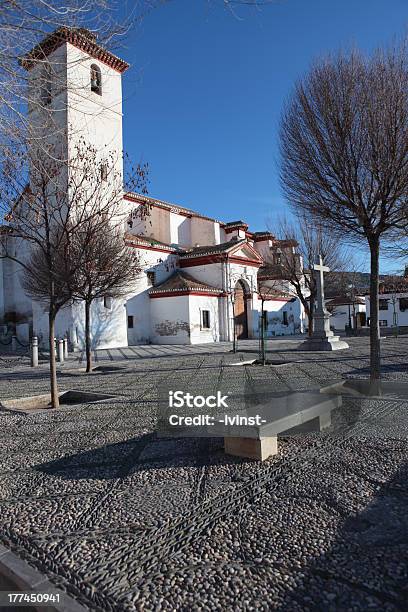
(138, 239)
(79, 37)
(344, 300)
(224, 247)
(180, 281)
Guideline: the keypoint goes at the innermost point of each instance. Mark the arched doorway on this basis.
(240, 311)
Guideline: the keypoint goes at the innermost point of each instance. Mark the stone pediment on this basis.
(237, 251)
(246, 252)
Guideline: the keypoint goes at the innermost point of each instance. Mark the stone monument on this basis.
(322, 338)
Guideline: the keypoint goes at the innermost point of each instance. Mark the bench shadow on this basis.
(151, 451)
(146, 452)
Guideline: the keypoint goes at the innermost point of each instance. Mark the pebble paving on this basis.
(125, 520)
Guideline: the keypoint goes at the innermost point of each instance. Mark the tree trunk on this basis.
(263, 355)
(88, 336)
(306, 305)
(310, 316)
(53, 362)
(375, 350)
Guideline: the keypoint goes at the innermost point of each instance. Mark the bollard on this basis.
(34, 352)
(56, 347)
(61, 351)
(65, 348)
(14, 343)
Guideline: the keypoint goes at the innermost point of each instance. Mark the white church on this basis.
(202, 280)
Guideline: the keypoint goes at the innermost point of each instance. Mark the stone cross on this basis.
(322, 338)
(320, 268)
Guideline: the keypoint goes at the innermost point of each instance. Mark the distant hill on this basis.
(337, 283)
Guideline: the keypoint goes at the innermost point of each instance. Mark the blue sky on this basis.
(203, 96)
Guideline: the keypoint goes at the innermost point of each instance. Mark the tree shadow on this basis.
(366, 566)
(386, 368)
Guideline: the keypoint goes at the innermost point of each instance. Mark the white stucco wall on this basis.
(340, 315)
(138, 302)
(108, 324)
(170, 320)
(276, 309)
(204, 232)
(197, 304)
(210, 273)
(15, 299)
(387, 315)
(180, 230)
(178, 319)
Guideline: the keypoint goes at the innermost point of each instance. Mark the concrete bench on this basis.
(294, 413)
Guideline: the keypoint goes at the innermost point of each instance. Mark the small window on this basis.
(46, 85)
(151, 278)
(383, 304)
(130, 321)
(104, 172)
(383, 323)
(403, 304)
(96, 79)
(205, 319)
(107, 302)
(278, 259)
(285, 317)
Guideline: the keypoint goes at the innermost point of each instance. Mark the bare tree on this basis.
(344, 148)
(42, 273)
(268, 288)
(300, 242)
(45, 216)
(104, 267)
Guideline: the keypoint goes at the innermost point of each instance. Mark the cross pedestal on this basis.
(322, 338)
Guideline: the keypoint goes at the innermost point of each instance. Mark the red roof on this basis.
(78, 37)
(183, 283)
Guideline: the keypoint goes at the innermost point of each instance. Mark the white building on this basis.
(200, 275)
(393, 308)
(347, 312)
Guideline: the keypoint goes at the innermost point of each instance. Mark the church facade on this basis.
(201, 280)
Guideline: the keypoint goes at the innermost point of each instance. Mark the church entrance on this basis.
(240, 311)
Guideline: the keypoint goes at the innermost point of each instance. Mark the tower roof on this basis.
(78, 37)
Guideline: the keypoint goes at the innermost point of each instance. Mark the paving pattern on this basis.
(125, 520)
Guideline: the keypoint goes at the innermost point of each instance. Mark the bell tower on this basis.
(75, 93)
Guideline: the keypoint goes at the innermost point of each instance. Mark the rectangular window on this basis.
(104, 172)
(383, 323)
(107, 302)
(285, 317)
(205, 319)
(383, 304)
(130, 321)
(403, 304)
(151, 278)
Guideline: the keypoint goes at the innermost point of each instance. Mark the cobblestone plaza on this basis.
(124, 520)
